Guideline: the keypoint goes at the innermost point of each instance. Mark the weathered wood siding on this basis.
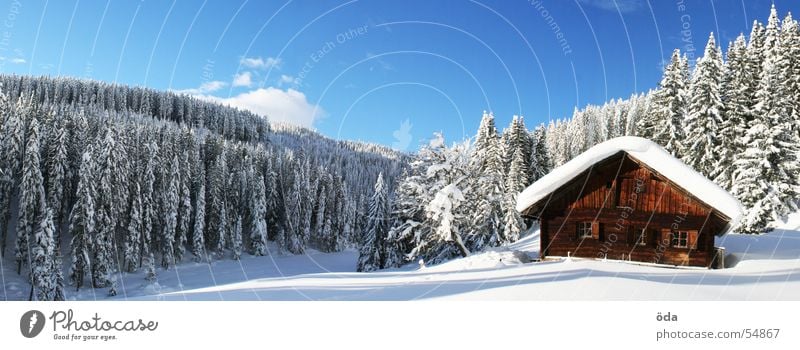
(622, 198)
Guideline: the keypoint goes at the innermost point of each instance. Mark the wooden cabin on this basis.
(628, 199)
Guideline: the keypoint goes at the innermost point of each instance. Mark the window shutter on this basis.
(693, 239)
(666, 238)
(595, 230)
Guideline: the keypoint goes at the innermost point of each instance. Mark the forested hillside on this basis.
(101, 179)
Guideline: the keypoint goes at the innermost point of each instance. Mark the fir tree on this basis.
(170, 217)
(236, 238)
(540, 160)
(132, 242)
(664, 124)
(706, 111)
(31, 198)
(517, 177)
(184, 210)
(198, 233)
(42, 254)
(81, 225)
(57, 169)
(738, 100)
(371, 256)
(13, 138)
(487, 168)
(258, 233)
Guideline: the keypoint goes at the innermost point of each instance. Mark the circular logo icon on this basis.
(31, 323)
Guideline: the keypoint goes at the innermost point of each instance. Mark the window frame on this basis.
(675, 239)
(584, 230)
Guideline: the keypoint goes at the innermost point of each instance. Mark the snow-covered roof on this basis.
(651, 155)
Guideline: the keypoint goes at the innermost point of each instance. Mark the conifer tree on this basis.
(198, 232)
(81, 225)
(132, 241)
(236, 238)
(738, 101)
(42, 259)
(706, 111)
(668, 109)
(31, 198)
(486, 166)
(184, 209)
(170, 216)
(371, 256)
(258, 233)
(57, 169)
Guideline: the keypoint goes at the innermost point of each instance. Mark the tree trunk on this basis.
(461, 247)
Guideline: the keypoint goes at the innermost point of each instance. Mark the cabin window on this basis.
(680, 239)
(584, 230)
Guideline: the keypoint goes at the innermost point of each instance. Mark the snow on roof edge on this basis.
(648, 153)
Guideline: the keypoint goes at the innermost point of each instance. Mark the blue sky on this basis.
(390, 72)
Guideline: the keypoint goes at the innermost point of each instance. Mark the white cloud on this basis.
(205, 88)
(17, 60)
(288, 106)
(288, 80)
(243, 79)
(261, 63)
(624, 6)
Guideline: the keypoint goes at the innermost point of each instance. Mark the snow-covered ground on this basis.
(766, 267)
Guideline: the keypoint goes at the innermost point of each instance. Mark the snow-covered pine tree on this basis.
(31, 198)
(148, 205)
(258, 233)
(517, 176)
(668, 108)
(486, 168)
(57, 169)
(215, 197)
(170, 216)
(236, 238)
(371, 255)
(443, 212)
(184, 208)
(517, 137)
(738, 99)
(706, 111)
(8, 159)
(132, 240)
(513, 223)
(294, 212)
(42, 250)
(755, 63)
(198, 231)
(754, 179)
(540, 160)
(81, 226)
(222, 231)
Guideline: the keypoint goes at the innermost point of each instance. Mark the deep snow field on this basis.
(765, 267)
